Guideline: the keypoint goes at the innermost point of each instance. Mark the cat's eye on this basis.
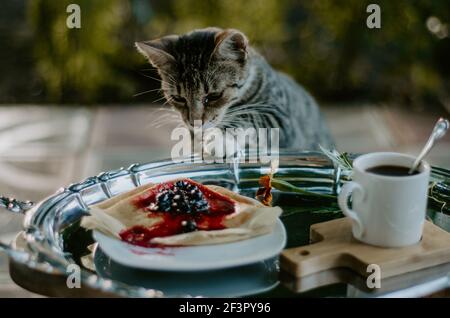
(178, 99)
(212, 97)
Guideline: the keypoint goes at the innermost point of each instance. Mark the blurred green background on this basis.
(325, 45)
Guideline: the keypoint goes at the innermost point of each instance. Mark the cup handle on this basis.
(345, 193)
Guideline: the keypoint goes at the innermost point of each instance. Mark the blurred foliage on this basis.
(324, 44)
(85, 63)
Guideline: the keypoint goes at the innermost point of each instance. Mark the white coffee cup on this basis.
(387, 211)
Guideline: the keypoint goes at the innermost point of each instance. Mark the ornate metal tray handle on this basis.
(14, 205)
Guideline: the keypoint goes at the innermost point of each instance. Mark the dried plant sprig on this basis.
(264, 193)
(436, 197)
(339, 159)
(285, 186)
(438, 193)
(267, 182)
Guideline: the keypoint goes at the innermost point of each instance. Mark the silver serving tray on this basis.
(41, 248)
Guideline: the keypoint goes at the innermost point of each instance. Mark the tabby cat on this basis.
(213, 75)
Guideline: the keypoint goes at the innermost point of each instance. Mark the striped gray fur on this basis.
(213, 75)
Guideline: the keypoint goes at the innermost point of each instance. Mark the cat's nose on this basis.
(196, 114)
(195, 119)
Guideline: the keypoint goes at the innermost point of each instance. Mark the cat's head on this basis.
(201, 71)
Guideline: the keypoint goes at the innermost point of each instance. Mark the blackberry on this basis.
(189, 226)
(163, 200)
(184, 197)
(201, 206)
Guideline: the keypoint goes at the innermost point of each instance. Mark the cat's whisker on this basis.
(149, 91)
(170, 84)
(168, 101)
(158, 100)
(161, 122)
(165, 116)
(151, 77)
(172, 80)
(156, 118)
(163, 109)
(170, 76)
(159, 125)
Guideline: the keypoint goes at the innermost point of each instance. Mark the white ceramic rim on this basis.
(358, 165)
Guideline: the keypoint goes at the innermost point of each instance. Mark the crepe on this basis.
(249, 217)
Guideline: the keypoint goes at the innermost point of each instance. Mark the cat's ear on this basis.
(231, 45)
(156, 51)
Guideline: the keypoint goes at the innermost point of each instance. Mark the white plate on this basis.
(195, 258)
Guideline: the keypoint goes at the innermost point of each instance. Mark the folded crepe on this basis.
(181, 212)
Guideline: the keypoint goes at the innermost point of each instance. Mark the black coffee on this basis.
(394, 171)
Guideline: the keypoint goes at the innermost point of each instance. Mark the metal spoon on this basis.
(438, 132)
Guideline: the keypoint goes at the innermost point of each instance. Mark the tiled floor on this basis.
(44, 148)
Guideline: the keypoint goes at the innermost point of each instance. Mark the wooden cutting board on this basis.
(333, 246)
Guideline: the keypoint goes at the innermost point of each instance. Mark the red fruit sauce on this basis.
(219, 207)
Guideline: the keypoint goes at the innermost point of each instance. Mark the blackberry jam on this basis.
(183, 206)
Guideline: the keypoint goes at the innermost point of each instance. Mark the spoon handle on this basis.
(422, 154)
(439, 130)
